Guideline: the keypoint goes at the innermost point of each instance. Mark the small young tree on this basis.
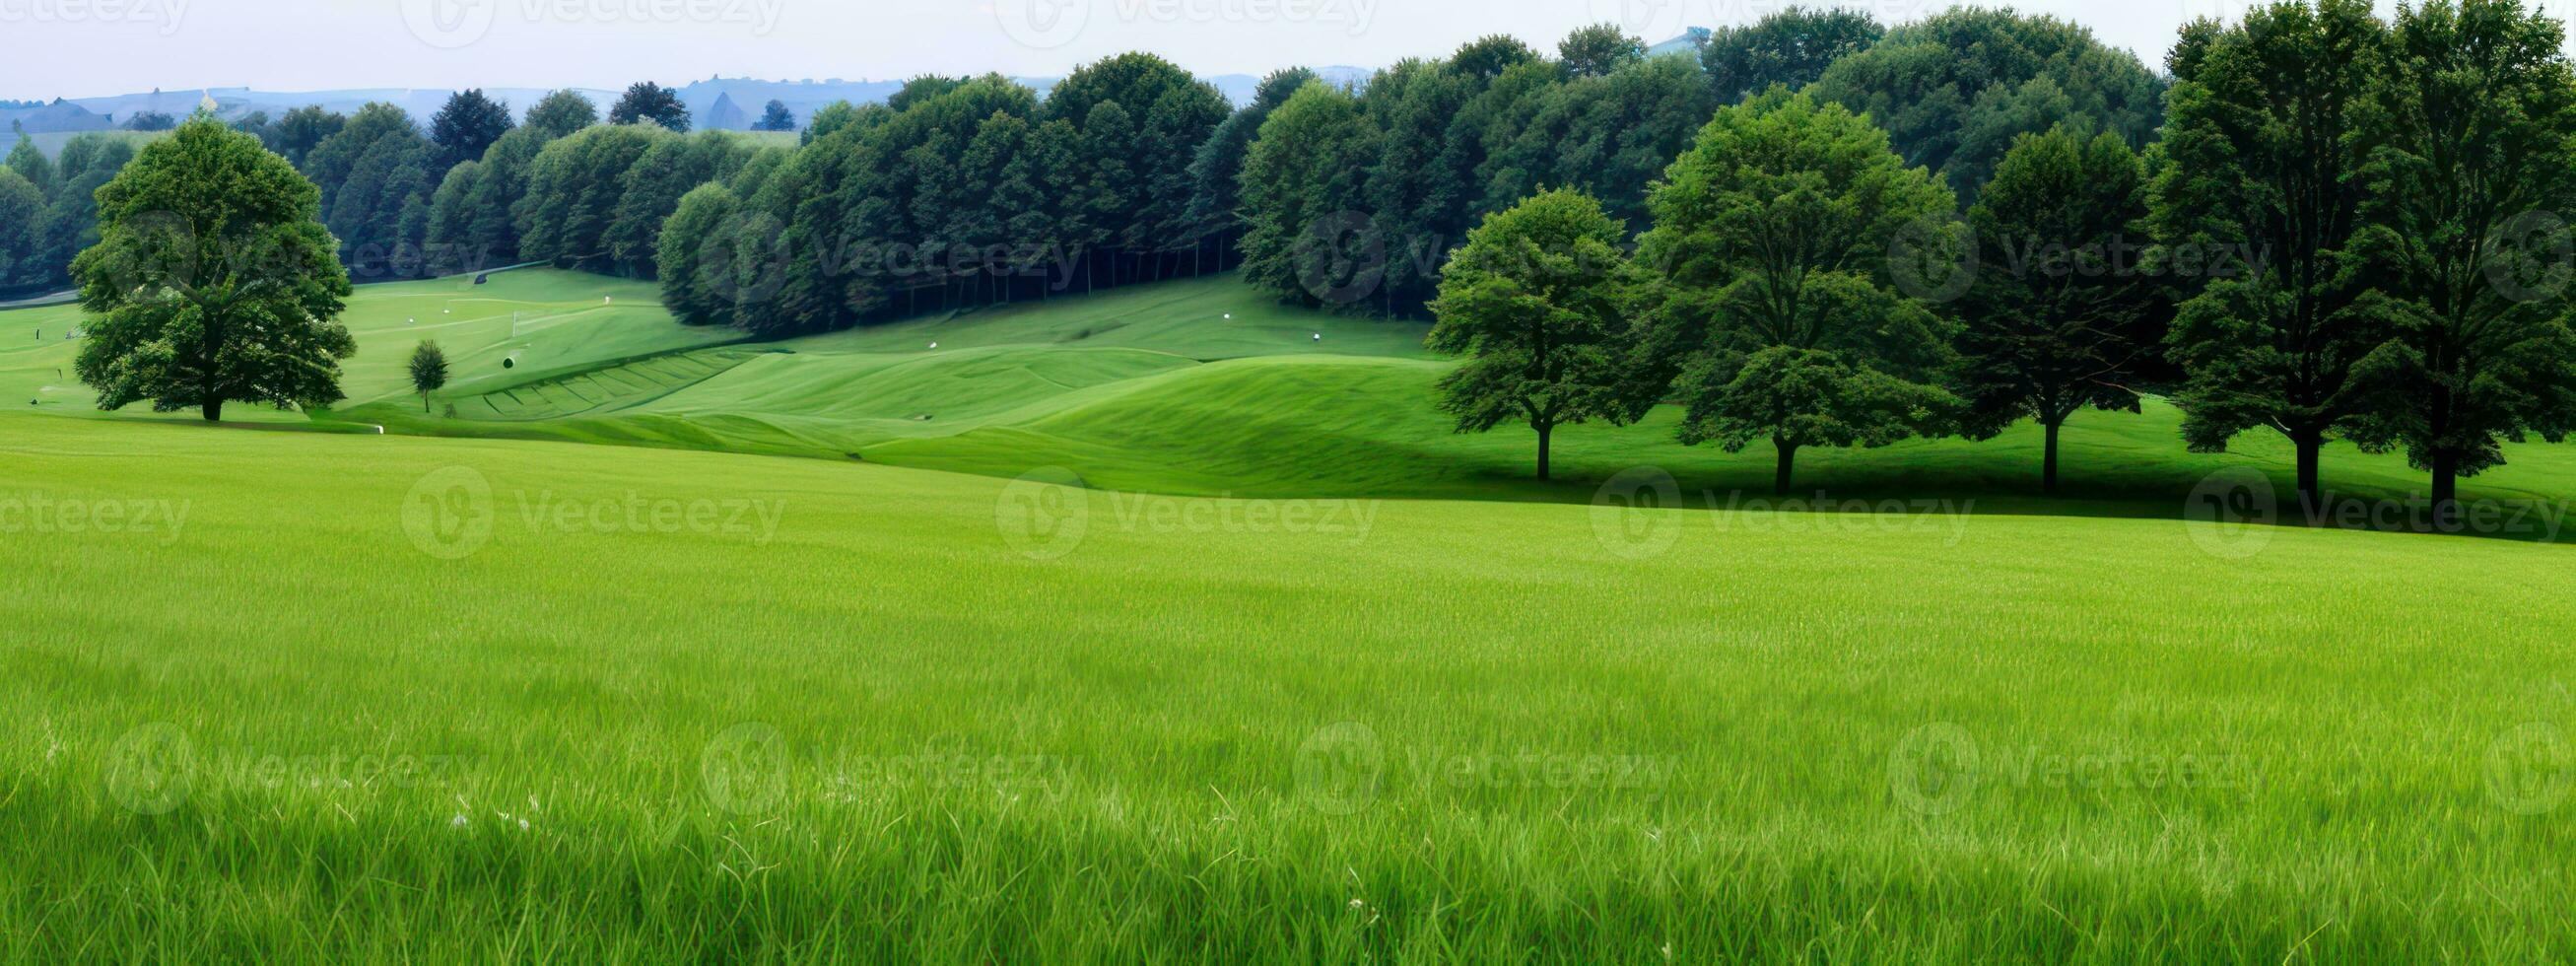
(775, 117)
(648, 101)
(2061, 312)
(1534, 302)
(1777, 288)
(212, 280)
(428, 371)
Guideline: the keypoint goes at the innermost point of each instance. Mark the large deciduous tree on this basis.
(1535, 301)
(466, 126)
(646, 102)
(2473, 171)
(2061, 314)
(1955, 89)
(1778, 297)
(213, 281)
(560, 113)
(2258, 202)
(1792, 48)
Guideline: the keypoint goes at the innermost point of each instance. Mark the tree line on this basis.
(2347, 227)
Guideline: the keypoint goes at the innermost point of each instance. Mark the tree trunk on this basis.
(213, 409)
(1543, 432)
(2048, 462)
(2446, 493)
(1788, 457)
(2311, 490)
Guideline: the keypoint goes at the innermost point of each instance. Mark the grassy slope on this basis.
(1135, 751)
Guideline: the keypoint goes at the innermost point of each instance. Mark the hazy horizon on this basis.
(97, 48)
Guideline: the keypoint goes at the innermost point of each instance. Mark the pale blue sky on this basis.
(81, 48)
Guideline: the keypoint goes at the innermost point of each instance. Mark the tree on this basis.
(301, 130)
(1954, 90)
(2472, 125)
(2261, 157)
(561, 113)
(651, 187)
(213, 281)
(1792, 47)
(1213, 211)
(831, 117)
(1302, 187)
(692, 252)
(1597, 50)
(428, 371)
(1534, 301)
(2060, 313)
(22, 211)
(467, 126)
(374, 176)
(31, 164)
(1772, 247)
(775, 117)
(645, 101)
(150, 121)
(574, 186)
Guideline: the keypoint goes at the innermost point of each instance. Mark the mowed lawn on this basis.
(340, 703)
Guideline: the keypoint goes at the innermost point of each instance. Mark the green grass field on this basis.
(1348, 688)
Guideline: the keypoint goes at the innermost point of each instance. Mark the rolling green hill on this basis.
(478, 699)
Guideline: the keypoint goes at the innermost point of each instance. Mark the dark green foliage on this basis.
(467, 126)
(2472, 174)
(775, 117)
(150, 121)
(651, 103)
(1535, 301)
(2261, 159)
(574, 187)
(376, 185)
(694, 254)
(651, 187)
(428, 371)
(2061, 316)
(32, 165)
(300, 131)
(1597, 50)
(1792, 47)
(1777, 292)
(1954, 90)
(1303, 187)
(561, 113)
(213, 281)
(22, 233)
(1214, 212)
